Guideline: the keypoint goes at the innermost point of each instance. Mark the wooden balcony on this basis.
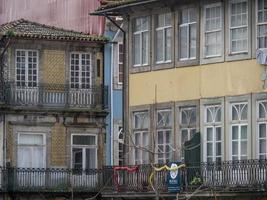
(54, 96)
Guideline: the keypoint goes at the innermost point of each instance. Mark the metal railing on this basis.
(247, 175)
(54, 95)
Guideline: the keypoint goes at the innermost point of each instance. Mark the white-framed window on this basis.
(262, 129)
(239, 130)
(26, 68)
(238, 20)
(164, 142)
(141, 137)
(187, 125)
(163, 37)
(120, 63)
(213, 36)
(84, 151)
(261, 13)
(213, 133)
(31, 150)
(188, 34)
(140, 41)
(80, 70)
(121, 143)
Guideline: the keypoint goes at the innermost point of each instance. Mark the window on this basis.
(140, 41)
(26, 68)
(262, 129)
(141, 140)
(238, 26)
(31, 150)
(187, 124)
(213, 38)
(84, 151)
(163, 38)
(164, 127)
(261, 23)
(120, 63)
(121, 142)
(80, 71)
(213, 133)
(239, 130)
(188, 34)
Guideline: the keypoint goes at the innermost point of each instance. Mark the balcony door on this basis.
(80, 79)
(31, 160)
(25, 90)
(84, 160)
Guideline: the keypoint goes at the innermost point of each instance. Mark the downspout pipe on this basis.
(123, 71)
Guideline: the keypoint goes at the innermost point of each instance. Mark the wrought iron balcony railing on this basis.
(54, 95)
(234, 176)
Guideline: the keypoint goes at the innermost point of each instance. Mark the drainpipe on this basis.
(111, 106)
(123, 71)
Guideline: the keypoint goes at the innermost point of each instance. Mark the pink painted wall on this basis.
(69, 14)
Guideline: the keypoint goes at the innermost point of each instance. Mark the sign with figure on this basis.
(173, 178)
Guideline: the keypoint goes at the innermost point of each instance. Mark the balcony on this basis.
(228, 177)
(54, 96)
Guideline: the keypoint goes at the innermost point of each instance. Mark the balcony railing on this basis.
(54, 95)
(236, 176)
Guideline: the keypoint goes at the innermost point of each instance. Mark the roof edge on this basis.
(105, 11)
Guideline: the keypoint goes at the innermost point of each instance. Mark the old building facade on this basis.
(191, 67)
(52, 107)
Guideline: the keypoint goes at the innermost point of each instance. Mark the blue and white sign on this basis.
(173, 178)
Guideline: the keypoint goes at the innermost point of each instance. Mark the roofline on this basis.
(116, 8)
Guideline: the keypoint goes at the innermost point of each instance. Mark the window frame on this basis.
(141, 32)
(32, 145)
(164, 129)
(27, 68)
(220, 58)
(258, 24)
(242, 26)
(84, 147)
(188, 25)
(251, 43)
(120, 63)
(214, 125)
(260, 121)
(163, 29)
(239, 124)
(80, 69)
(139, 130)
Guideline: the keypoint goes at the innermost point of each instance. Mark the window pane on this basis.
(184, 136)
(77, 157)
(218, 149)
(234, 148)
(262, 146)
(137, 49)
(218, 134)
(168, 44)
(262, 130)
(209, 134)
(234, 132)
(145, 48)
(84, 140)
(262, 109)
(209, 149)
(31, 139)
(159, 43)
(160, 137)
(243, 148)
(243, 132)
(193, 40)
(184, 42)
(90, 158)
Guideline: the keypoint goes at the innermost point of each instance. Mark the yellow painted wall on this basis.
(54, 67)
(188, 83)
